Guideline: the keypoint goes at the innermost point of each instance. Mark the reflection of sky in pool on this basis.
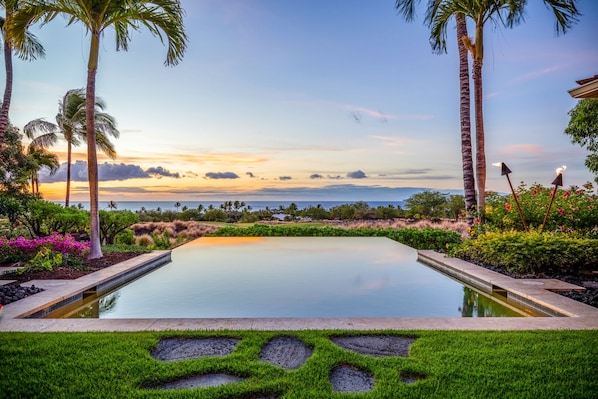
(294, 277)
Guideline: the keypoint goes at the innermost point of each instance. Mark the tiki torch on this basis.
(558, 181)
(505, 171)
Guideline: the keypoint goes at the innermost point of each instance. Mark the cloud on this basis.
(285, 178)
(160, 171)
(358, 174)
(535, 74)
(106, 172)
(337, 177)
(525, 148)
(355, 113)
(250, 174)
(415, 171)
(316, 176)
(221, 175)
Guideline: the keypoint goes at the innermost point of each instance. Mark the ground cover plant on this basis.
(450, 364)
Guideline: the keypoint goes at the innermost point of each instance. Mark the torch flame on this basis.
(560, 170)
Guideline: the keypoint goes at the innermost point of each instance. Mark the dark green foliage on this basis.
(113, 223)
(531, 252)
(15, 166)
(435, 205)
(573, 209)
(452, 364)
(416, 238)
(42, 218)
(583, 129)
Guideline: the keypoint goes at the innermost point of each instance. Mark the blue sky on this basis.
(327, 99)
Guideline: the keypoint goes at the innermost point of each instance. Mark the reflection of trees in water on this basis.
(104, 305)
(478, 305)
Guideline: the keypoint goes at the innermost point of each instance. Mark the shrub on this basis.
(534, 252)
(42, 218)
(114, 222)
(573, 209)
(416, 238)
(23, 249)
(45, 259)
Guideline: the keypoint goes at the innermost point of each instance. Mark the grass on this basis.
(456, 364)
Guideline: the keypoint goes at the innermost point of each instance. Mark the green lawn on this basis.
(457, 364)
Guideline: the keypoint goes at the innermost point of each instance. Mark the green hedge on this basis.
(428, 238)
(534, 252)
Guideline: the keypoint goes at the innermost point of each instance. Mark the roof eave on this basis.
(588, 90)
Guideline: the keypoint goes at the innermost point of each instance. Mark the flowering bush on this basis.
(573, 210)
(24, 249)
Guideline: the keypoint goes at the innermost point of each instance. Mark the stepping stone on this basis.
(351, 379)
(170, 349)
(286, 352)
(376, 345)
(204, 380)
(410, 378)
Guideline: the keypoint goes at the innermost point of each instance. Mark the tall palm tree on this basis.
(163, 18)
(500, 12)
(39, 157)
(71, 126)
(406, 8)
(30, 51)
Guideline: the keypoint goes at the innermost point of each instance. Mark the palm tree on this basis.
(163, 18)
(112, 205)
(30, 51)
(39, 157)
(406, 8)
(71, 126)
(501, 12)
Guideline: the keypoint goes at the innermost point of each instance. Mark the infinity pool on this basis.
(259, 277)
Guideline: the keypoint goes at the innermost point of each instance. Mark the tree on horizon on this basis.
(163, 18)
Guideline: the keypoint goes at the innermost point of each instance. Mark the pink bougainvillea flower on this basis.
(508, 207)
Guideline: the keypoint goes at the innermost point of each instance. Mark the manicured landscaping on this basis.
(451, 364)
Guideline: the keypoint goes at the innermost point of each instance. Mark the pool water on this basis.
(274, 277)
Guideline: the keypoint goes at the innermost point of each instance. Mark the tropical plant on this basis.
(500, 12)
(30, 50)
(406, 8)
(114, 222)
(583, 129)
(163, 18)
(14, 164)
(71, 126)
(39, 158)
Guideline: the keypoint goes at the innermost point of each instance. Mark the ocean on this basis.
(255, 205)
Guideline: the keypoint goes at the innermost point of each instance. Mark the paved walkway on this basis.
(576, 314)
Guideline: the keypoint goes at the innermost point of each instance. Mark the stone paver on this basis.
(286, 352)
(169, 349)
(373, 345)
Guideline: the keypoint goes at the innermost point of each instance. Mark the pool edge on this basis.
(580, 316)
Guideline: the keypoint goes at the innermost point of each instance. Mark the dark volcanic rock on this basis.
(374, 345)
(188, 348)
(351, 379)
(286, 352)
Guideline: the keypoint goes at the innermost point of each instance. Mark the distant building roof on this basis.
(588, 88)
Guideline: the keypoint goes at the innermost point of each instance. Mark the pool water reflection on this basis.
(258, 277)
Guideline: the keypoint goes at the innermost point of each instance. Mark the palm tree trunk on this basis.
(465, 119)
(479, 133)
(95, 250)
(69, 154)
(7, 90)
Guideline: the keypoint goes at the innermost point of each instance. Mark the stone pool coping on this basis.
(579, 315)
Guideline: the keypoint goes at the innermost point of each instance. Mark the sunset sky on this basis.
(312, 99)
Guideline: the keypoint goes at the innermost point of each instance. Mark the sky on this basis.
(311, 100)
